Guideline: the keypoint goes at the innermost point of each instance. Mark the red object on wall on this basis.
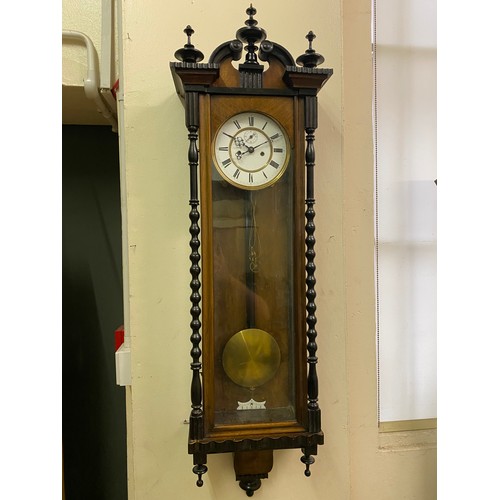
(115, 88)
(119, 337)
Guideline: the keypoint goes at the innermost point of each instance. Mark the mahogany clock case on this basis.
(254, 382)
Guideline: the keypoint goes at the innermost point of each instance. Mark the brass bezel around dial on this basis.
(251, 150)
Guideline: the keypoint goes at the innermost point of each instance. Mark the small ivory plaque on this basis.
(252, 405)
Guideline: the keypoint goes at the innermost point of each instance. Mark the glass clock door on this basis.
(253, 297)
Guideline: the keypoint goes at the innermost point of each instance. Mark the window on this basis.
(404, 38)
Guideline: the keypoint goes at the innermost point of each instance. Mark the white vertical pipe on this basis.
(107, 62)
(123, 177)
(91, 82)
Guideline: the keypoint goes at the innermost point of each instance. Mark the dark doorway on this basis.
(93, 406)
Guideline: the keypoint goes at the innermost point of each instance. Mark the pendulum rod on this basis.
(251, 257)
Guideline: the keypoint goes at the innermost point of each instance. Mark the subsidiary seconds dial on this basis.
(251, 150)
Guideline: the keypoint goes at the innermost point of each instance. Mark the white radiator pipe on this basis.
(91, 82)
(120, 100)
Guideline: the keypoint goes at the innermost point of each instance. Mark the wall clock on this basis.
(251, 158)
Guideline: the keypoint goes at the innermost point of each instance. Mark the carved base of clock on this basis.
(253, 457)
(251, 484)
(252, 466)
(302, 440)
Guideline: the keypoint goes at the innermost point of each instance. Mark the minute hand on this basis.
(262, 143)
(251, 149)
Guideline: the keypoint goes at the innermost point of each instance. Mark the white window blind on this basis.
(404, 36)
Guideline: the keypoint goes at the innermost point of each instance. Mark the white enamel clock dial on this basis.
(251, 150)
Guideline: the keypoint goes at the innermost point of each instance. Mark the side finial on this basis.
(310, 36)
(189, 31)
(188, 53)
(310, 58)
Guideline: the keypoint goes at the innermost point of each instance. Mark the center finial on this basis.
(251, 34)
(251, 11)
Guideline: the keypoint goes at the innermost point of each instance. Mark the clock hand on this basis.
(238, 140)
(251, 149)
(261, 144)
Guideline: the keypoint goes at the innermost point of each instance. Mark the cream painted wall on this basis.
(356, 463)
(84, 17)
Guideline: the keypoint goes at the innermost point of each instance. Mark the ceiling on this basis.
(77, 109)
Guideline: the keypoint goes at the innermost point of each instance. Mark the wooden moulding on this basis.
(306, 78)
(193, 74)
(232, 444)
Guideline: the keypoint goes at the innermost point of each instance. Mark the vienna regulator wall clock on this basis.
(251, 158)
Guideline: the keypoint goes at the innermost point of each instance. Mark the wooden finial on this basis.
(251, 34)
(189, 53)
(310, 58)
(251, 11)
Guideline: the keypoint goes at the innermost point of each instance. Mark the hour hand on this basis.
(251, 149)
